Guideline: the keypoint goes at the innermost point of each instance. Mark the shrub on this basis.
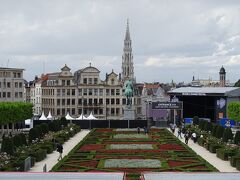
(195, 120)
(233, 160)
(238, 164)
(207, 126)
(40, 131)
(44, 128)
(237, 138)
(219, 133)
(224, 153)
(23, 139)
(201, 141)
(7, 145)
(201, 124)
(214, 130)
(227, 134)
(213, 147)
(17, 140)
(33, 134)
(40, 154)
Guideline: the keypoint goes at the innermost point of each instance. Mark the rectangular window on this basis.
(73, 92)
(63, 82)
(100, 92)
(113, 92)
(79, 101)
(117, 92)
(58, 92)
(0, 95)
(124, 101)
(95, 92)
(90, 92)
(95, 111)
(63, 112)
(63, 102)
(9, 94)
(4, 94)
(117, 101)
(73, 101)
(112, 111)
(84, 102)
(8, 84)
(90, 102)
(63, 92)
(16, 94)
(100, 101)
(90, 81)
(95, 101)
(68, 101)
(68, 82)
(80, 92)
(85, 92)
(0, 84)
(14, 75)
(73, 111)
(68, 92)
(58, 112)
(107, 101)
(84, 80)
(112, 101)
(19, 75)
(16, 85)
(117, 111)
(107, 92)
(58, 102)
(100, 111)
(20, 85)
(95, 80)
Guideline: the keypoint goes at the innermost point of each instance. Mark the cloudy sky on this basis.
(172, 39)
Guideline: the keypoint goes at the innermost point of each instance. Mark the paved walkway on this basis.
(51, 159)
(222, 166)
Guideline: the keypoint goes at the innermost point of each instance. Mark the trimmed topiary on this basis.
(44, 128)
(17, 140)
(214, 130)
(7, 146)
(227, 134)
(219, 133)
(195, 120)
(237, 138)
(33, 134)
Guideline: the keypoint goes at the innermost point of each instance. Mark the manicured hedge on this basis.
(237, 138)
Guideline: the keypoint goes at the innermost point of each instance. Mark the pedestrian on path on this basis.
(138, 130)
(60, 150)
(186, 137)
(179, 133)
(194, 137)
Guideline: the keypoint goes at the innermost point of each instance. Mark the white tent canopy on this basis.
(43, 117)
(28, 122)
(91, 117)
(81, 117)
(49, 116)
(68, 117)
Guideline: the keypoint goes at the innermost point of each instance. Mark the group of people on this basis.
(187, 133)
(145, 129)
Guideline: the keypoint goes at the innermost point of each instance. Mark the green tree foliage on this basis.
(33, 134)
(237, 84)
(195, 120)
(237, 138)
(44, 128)
(13, 112)
(234, 111)
(227, 134)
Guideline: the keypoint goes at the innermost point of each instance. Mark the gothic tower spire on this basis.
(127, 57)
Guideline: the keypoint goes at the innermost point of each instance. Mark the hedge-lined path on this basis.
(222, 166)
(51, 159)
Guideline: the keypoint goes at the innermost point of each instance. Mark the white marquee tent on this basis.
(43, 117)
(81, 117)
(91, 117)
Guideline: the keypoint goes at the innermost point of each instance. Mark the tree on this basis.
(214, 130)
(7, 145)
(195, 120)
(233, 110)
(33, 134)
(237, 84)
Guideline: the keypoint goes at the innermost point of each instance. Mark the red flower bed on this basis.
(104, 130)
(141, 142)
(129, 151)
(92, 164)
(171, 147)
(177, 163)
(89, 147)
(118, 157)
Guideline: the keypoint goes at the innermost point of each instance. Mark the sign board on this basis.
(167, 105)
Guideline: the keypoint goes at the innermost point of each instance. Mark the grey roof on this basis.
(61, 176)
(191, 176)
(204, 90)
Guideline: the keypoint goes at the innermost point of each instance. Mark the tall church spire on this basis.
(127, 57)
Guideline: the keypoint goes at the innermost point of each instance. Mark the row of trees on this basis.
(14, 112)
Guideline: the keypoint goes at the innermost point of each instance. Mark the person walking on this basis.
(138, 130)
(179, 133)
(194, 137)
(60, 150)
(186, 137)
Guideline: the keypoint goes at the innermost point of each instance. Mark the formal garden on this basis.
(17, 146)
(126, 150)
